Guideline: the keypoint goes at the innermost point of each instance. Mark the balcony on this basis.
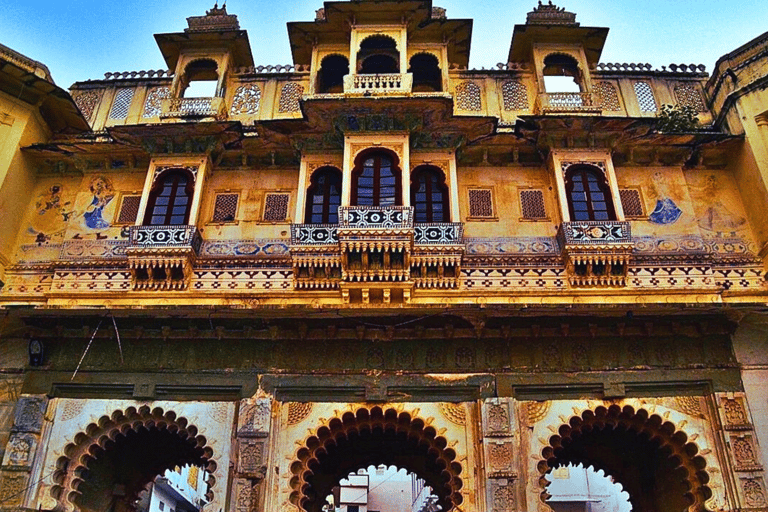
(378, 85)
(376, 254)
(161, 257)
(596, 253)
(567, 103)
(192, 108)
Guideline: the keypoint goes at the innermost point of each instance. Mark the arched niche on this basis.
(377, 55)
(427, 76)
(330, 77)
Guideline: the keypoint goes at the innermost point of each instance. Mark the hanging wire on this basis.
(117, 333)
(86, 350)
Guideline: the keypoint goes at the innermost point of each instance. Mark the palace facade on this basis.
(377, 256)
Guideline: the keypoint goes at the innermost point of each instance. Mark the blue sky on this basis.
(82, 39)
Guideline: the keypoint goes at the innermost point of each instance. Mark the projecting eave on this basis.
(525, 36)
(192, 137)
(234, 41)
(339, 17)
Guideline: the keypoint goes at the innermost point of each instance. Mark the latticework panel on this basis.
(515, 95)
(645, 97)
(532, 204)
(129, 210)
(121, 104)
(87, 101)
(468, 97)
(631, 202)
(290, 95)
(153, 103)
(276, 207)
(689, 96)
(480, 203)
(247, 100)
(225, 208)
(607, 96)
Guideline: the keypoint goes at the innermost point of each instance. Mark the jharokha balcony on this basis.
(567, 102)
(193, 108)
(596, 253)
(376, 254)
(378, 84)
(161, 257)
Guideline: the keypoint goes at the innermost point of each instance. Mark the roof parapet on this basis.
(214, 20)
(550, 14)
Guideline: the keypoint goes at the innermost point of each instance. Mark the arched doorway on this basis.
(368, 437)
(110, 463)
(655, 463)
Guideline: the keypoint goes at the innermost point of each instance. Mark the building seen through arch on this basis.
(377, 280)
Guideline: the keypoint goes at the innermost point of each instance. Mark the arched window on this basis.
(376, 180)
(427, 76)
(589, 196)
(324, 197)
(378, 55)
(200, 79)
(429, 195)
(561, 74)
(331, 75)
(170, 200)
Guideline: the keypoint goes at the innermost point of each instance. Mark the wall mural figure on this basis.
(666, 211)
(714, 215)
(103, 193)
(52, 214)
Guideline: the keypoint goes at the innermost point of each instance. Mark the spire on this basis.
(215, 19)
(550, 14)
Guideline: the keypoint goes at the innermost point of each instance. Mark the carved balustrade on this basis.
(193, 107)
(378, 84)
(376, 253)
(161, 257)
(567, 102)
(596, 253)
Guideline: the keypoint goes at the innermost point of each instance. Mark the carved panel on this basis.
(754, 493)
(734, 414)
(29, 415)
(503, 496)
(500, 457)
(744, 453)
(153, 103)
(20, 450)
(255, 415)
(246, 100)
(537, 411)
(298, 412)
(455, 413)
(12, 488)
(290, 96)
(497, 418)
(246, 496)
(251, 456)
(87, 101)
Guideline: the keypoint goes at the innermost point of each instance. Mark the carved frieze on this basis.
(503, 496)
(20, 450)
(29, 414)
(496, 418)
(255, 416)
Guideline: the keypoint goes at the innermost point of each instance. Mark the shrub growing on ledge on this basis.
(677, 119)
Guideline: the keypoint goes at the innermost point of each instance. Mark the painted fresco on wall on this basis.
(52, 212)
(95, 211)
(714, 211)
(103, 194)
(666, 211)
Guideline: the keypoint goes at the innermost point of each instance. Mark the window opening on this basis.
(376, 182)
(429, 195)
(225, 207)
(170, 200)
(589, 196)
(645, 98)
(382, 488)
(331, 76)
(324, 197)
(480, 203)
(578, 488)
(532, 204)
(129, 209)
(427, 76)
(200, 80)
(179, 489)
(378, 55)
(561, 74)
(276, 207)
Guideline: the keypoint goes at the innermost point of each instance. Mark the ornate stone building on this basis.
(375, 255)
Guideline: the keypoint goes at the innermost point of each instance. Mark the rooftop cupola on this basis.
(201, 57)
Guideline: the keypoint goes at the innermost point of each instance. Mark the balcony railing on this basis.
(376, 217)
(443, 233)
(594, 232)
(596, 253)
(390, 83)
(578, 102)
(314, 234)
(192, 107)
(165, 237)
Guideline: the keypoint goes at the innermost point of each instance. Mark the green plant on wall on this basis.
(677, 119)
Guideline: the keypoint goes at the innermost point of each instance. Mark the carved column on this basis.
(739, 433)
(500, 442)
(15, 474)
(252, 446)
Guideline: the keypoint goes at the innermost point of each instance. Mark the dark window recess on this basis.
(170, 200)
(589, 197)
(532, 203)
(631, 202)
(480, 203)
(324, 197)
(429, 195)
(376, 182)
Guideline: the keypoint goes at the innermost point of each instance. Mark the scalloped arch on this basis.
(332, 451)
(682, 456)
(101, 436)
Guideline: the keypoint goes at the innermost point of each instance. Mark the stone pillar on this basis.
(739, 434)
(15, 474)
(250, 461)
(500, 442)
